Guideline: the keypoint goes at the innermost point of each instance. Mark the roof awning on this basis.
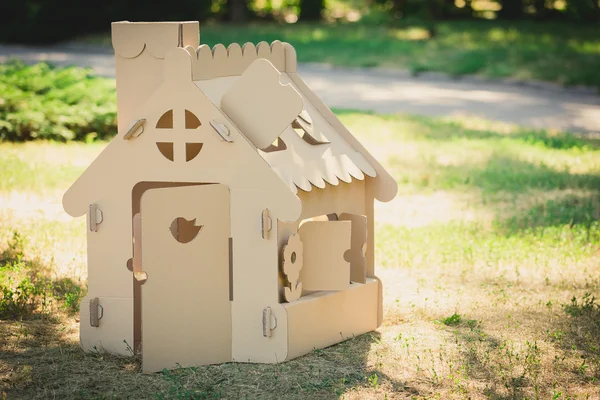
(309, 153)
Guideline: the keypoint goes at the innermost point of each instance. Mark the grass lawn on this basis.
(564, 53)
(489, 258)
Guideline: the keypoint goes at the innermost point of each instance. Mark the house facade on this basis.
(231, 218)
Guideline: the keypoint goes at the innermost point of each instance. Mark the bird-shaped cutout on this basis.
(184, 231)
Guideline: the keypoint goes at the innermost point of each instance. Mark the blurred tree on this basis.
(432, 12)
(426, 10)
(447, 9)
(583, 10)
(540, 8)
(311, 10)
(237, 11)
(398, 6)
(47, 21)
(511, 9)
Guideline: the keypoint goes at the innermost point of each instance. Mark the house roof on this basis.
(123, 163)
(314, 151)
(310, 153)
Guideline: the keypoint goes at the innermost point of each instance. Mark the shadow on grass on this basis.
(40, 360)
(505, 173)
(579, 331)
(580, 211)
(28, 287)
(501, 173)
(444, 130)
(535, 364)
(324, 373)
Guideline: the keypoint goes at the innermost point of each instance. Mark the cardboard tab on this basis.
(267, 224)
(96, 312)
(136, 129)
(95, 217)
(222, 130)
(269, 322)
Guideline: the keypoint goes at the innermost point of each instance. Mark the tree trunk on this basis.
(511, 9)
(398, 6)
(311, 10)
(238, 10)
(540, 8)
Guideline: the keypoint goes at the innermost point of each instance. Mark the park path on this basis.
(389, 91)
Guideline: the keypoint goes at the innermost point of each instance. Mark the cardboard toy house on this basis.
(231, 218)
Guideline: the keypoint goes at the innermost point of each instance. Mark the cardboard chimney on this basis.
(231, 218)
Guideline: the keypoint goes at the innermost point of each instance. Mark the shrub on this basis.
(69, 292)
(15, 251)
(22, 300)
(43, 102)
(26, 289)
(454, 319)
(32, 294)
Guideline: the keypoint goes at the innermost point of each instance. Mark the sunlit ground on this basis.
(489, 258)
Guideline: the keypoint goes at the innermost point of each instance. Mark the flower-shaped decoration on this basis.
(292, 264)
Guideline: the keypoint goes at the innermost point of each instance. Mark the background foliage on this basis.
(41, 102)
(46, 21)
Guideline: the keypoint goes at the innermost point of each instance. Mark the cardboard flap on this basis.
(303, 125)
(129, 39)
(178, 65)
(321, 319)
(325, 244)
(358, 245)
(326, 155)
(310, 151)
(260, 105)
(185, 249)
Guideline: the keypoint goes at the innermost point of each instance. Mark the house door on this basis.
(186, 311)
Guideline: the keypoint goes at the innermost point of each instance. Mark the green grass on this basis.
(564, 53)
(30, 167)
(489, 259)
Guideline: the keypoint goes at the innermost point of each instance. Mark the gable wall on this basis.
(255, 284)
